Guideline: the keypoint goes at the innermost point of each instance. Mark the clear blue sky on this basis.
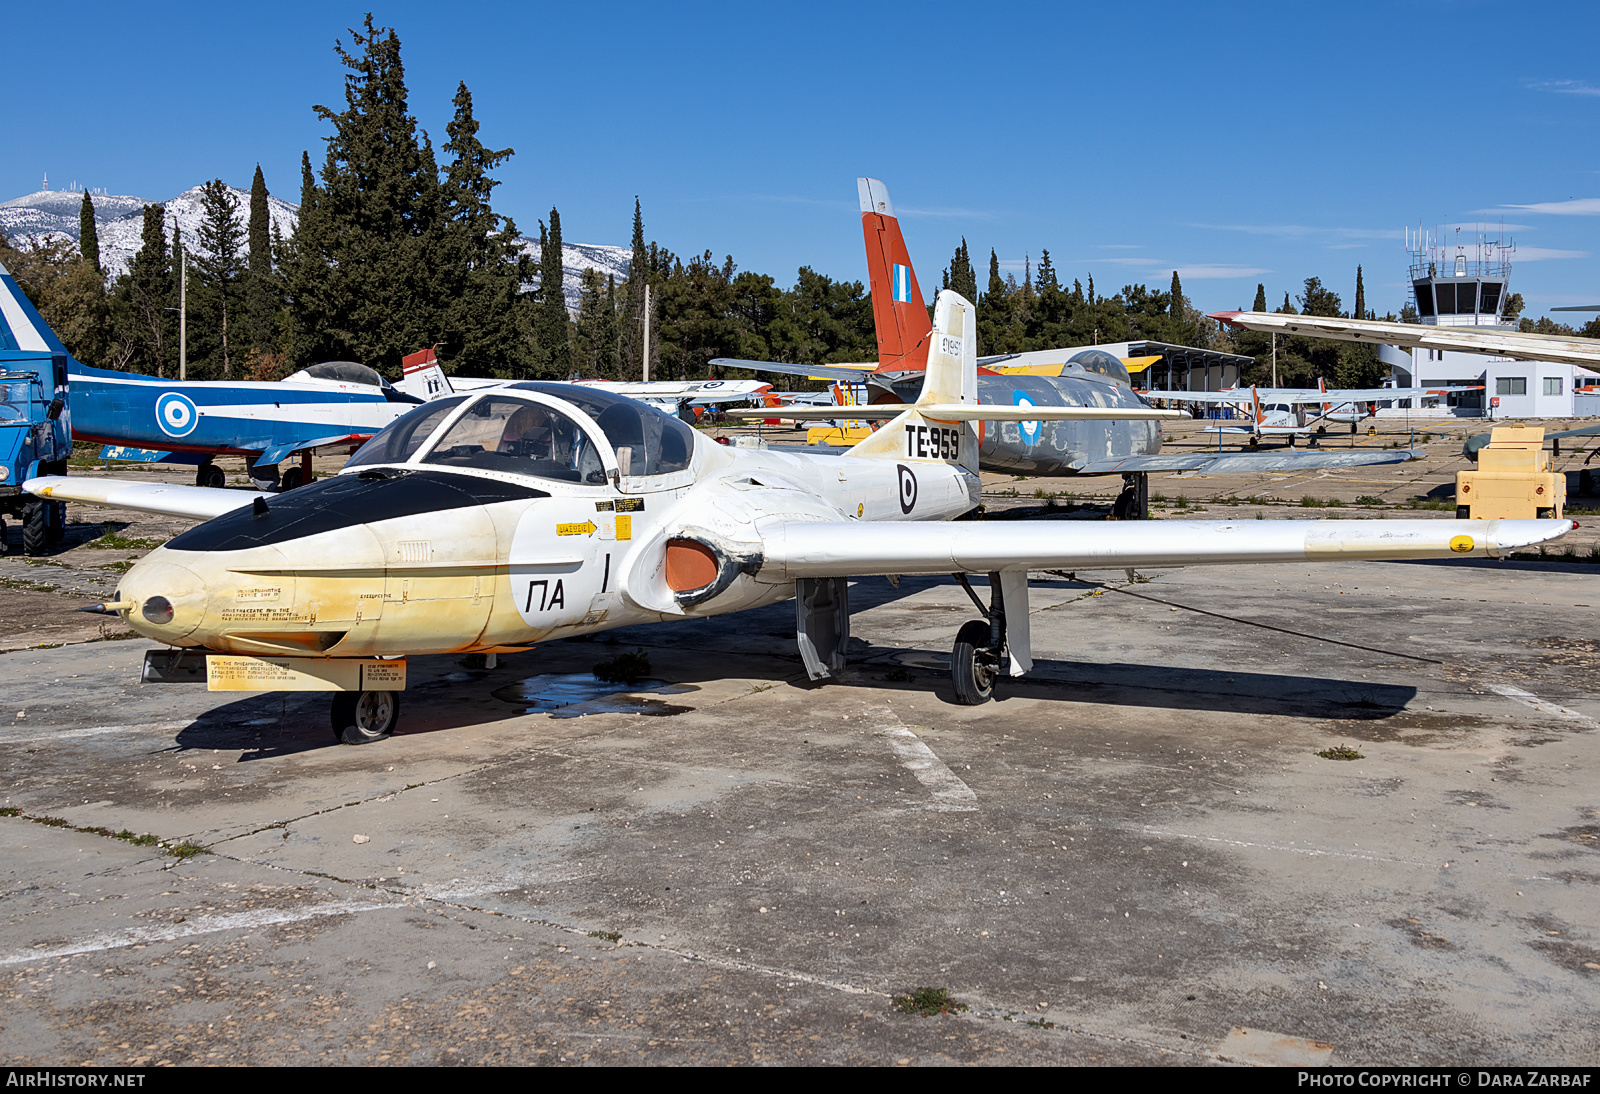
(1238, 143)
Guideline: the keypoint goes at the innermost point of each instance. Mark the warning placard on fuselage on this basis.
(238, 673)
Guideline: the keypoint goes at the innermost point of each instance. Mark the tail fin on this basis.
(1255, 404)
(952, 377)
(21, 326)
(898, 312)
(423, 377)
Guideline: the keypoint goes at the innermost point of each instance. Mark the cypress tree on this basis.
(1178, 301)
(630, 336)
(260, 291)
(553, 327)
(1261, 299)
(960, 276)
(88, 236)
(1361, 297)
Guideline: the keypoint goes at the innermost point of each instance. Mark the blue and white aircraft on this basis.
(331, 406)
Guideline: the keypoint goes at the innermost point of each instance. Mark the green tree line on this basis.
(396, 251)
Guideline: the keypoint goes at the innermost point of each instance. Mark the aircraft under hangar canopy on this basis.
(569, 511)
(1281, 411)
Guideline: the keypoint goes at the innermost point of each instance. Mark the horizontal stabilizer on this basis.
(199, 502)
(825, 372)
(855, 548)
(961, 412)
(282, 451)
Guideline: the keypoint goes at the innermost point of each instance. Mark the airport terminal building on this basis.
(1470, 290)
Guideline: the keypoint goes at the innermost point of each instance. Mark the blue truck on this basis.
(35, 428)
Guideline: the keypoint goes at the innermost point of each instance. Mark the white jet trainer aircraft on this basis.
(494, 521)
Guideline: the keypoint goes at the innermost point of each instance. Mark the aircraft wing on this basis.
(199, 502)
(962, 412)
(826, 372)
(1233, 463)
(1307, 395)
(859, 548)
(1503, 343)
(282, 450)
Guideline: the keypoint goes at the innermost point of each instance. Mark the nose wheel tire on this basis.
(973, 667)
(361, 717)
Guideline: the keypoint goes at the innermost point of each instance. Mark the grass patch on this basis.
(1309, 502)
(1182, 502)
(1431, 503)
(1341, 752)
(138, 839)
(29, 586)
(1040, 1023)
(928, 1002)
(112, 539)
(609, 936)
(117, 567)
(624, 668)
(187, 849)
(1368, 499)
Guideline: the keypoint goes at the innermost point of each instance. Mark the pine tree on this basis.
(88, 235)
(261, 290)
(221, 268)
(1361, 297)
(1261, 299)
(363, 281)
(481, 267)
(150, 295)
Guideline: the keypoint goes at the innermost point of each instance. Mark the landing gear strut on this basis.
(1134, 501)
(361, 717)
(987, 649)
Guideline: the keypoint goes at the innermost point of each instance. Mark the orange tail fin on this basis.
(898, 311)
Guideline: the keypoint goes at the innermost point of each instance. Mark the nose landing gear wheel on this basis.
(973, 666)
(361, 717)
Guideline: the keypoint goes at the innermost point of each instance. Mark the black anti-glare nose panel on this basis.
(346, 500)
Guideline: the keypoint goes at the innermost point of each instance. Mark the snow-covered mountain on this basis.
(119, 220)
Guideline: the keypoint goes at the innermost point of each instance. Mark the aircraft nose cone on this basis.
(169, 601)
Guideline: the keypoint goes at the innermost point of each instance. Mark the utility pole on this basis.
(1274, 358)
(647, 332)
(183, 316)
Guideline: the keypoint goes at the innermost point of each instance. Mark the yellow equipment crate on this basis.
(1514, 478)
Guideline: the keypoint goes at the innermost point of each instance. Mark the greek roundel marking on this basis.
(908, 488)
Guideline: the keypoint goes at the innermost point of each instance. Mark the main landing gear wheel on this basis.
(209, 474)
(972, 665)
(361, 717)
(293, 479)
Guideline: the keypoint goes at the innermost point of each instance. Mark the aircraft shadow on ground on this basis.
(444, 696)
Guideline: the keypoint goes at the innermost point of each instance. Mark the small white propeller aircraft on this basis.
(493, 521)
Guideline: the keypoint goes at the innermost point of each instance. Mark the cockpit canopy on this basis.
(344, 372)
(503, 430)
(1101, 362)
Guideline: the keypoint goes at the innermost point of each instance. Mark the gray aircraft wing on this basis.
(1233, 463)
(829, 372)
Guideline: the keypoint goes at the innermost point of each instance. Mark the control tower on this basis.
(1456, 284)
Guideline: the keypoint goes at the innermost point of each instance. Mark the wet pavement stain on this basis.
(575, 694)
